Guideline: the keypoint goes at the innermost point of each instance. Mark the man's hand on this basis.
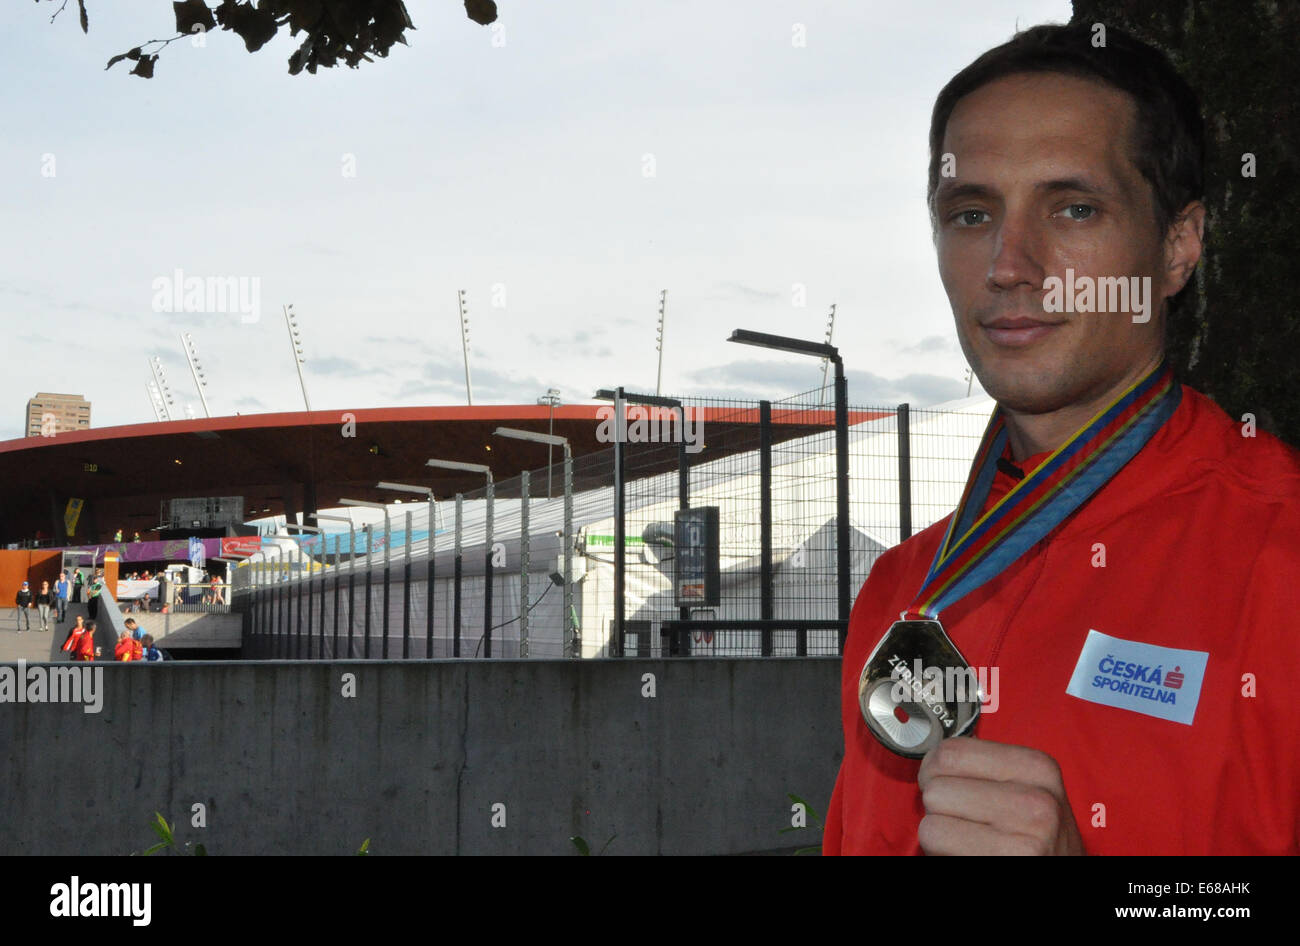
(986, 797)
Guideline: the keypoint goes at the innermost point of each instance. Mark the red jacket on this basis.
(1200, 534)
(128, 648)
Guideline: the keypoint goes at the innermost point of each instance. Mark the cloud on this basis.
(928, 345)
(774, 380)
(341, 367)
(748, 293)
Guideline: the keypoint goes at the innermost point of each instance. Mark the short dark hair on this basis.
(1169, 145)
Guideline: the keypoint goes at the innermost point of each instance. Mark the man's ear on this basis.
(1183, 245)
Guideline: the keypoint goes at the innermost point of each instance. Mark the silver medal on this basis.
(916, 689)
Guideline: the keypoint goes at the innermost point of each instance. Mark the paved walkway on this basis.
(31, 646)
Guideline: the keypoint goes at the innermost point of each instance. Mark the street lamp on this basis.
(352, 557)
(831, 353)
(683, 480)
(388, 546)
(429, 549)
(553, 441)
(487, 580)
(310, 603)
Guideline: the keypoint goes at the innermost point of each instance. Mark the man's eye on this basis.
(1080, 211)
(969, 218)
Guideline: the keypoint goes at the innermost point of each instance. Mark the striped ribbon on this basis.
(976, 551)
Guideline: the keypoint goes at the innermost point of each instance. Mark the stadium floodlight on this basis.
(295, 341)
(551, 440)
(800, 346)
(458, 465)
(196, 369)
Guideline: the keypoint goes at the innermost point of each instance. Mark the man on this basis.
(93, 593)
(24, 602)
(1142, 633)
(62, 588)
(128, 648)
(134, 628)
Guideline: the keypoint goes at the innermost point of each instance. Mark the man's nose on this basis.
(1016, 255)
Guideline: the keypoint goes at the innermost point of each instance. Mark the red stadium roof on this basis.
(284, 461)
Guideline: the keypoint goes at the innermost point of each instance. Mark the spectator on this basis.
(77, 582)
(118, 536)
(24, 601)
(73, 640)
(93, 593)
(128, 648)
(144, 602)
(62, 588)
(218, 594)
(137, 537)
(136, 631)
(151, 653)
(45, 604)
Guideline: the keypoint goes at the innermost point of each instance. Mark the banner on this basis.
(197, 558)
(71, 514)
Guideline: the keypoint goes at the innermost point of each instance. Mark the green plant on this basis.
(585, 849)
(364, 850)
(812, 813)
(166, 833)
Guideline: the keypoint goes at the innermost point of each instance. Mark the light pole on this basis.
(164, 393)
(551, 398)
(352, 557)
(487, 577)
(552, 441)
(620, 513)
(310, 603)
(683, 478)
(821, 350)
(295, 341)
(428, 586)
(187, 341)
(388, 546)
(464, 342)
(659, 341)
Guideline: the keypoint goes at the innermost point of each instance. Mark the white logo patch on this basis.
(1157, 681)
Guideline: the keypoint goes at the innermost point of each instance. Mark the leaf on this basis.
(581, 845)
(155, 849)
(806, 807)
(607, 844)
(255, 26)
(144, 67)
(481, 12)
(85, 20)
(364, 849)
(161, 828)
(200, 851)
(192, 13)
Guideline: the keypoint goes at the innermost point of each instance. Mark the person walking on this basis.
(24, 602)
(77, 582)
(62, 588)
(92, 595)
(72, 642)
(45, 604)
(85, 648)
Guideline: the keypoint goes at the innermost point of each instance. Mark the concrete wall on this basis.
(416, 760)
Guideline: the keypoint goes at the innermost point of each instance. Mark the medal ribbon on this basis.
(975, 552)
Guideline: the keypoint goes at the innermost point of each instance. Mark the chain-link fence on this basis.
(496, 563)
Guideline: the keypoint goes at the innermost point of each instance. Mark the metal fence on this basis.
(495, 561)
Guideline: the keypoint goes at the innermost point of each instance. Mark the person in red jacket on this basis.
(1121, 575)
(85, 648)
(127, 648)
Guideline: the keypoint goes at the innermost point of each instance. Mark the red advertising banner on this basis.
(241, 545)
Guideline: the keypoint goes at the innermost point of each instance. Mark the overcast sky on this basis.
(562, 170)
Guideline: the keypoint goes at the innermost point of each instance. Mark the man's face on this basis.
(1043, 183)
